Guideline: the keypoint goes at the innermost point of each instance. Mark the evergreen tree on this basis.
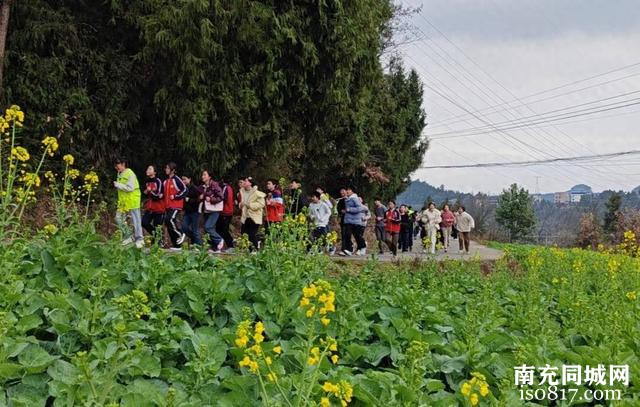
(515, 212)
(612, 213)
(274, 88)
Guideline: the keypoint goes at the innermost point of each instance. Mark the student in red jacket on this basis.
(275, 204)
(448, 218)
(174, 193)
(224, 221)
(154, 202)
(392, 226)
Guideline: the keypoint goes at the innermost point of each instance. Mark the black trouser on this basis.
(250, 228)
(151, 220)
(380, 237)
(222, 227)
(319, 237)
(171, 221)
(357, 232)
(392, 242)
(405, 238)
(345, 237)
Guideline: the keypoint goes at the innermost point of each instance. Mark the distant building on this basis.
(561, 198)
(578, 191)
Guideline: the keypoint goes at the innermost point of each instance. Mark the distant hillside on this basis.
(419, 191)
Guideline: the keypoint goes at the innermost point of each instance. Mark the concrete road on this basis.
(476, 252)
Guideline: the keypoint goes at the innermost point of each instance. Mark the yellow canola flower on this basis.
(73, 173)
(68, 159)
(335, 359)
(50, 145)
(331, 388)
(258, 338)
(245, 362)
(50, 229)
(20, 154)
(31, 179)
(268, 360)
(484, 390)
(474, 399)
(310, 312)
(259, 328)
(324, 402)
(14, 113)
(632, 296)
(277, 349)
(310, 292)
(242, 341)
(91, 178)
(272, 377)
(465, 389)
(325, 321)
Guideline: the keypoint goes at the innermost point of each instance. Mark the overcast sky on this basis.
(527, 47)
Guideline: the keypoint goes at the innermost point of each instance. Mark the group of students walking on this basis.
(395, 227)
(215, 202)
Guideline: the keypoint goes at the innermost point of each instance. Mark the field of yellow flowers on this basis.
(85, 321)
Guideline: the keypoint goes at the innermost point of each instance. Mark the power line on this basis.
(452, 119)
(534, 162)
(534, 123)
(474, 78)
(546, 116)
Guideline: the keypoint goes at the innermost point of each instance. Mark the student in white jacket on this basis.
(464, 224)
(319, 213)
(430, 219)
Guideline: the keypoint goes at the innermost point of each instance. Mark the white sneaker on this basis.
(220, 245)
(346, 253)
(127, 241)
(140, 244)
(211, 251)
(181, 238)
(175, 249)
(361, 252)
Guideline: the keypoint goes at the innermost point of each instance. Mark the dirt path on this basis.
(476, 252)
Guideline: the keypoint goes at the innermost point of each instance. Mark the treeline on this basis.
(268, 88)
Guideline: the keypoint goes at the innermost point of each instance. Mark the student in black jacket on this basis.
(191, 219)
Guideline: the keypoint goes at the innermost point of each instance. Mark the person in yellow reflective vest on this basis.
(128, 203)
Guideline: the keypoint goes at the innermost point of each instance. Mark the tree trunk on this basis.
(5, 9)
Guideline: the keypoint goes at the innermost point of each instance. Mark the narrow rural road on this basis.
(476, 252)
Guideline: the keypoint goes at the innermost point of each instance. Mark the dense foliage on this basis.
(270, 88)
(88, 322)
(515, 212)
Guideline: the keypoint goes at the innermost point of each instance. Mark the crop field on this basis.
(85, 321)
